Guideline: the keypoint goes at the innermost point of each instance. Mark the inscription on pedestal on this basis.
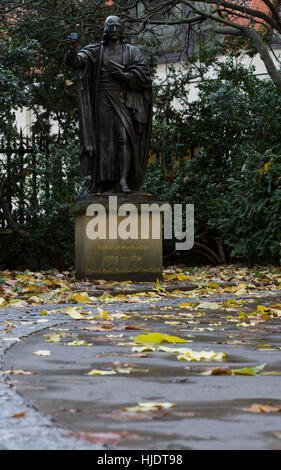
(131, 259)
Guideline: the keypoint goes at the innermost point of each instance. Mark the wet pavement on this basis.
(217, 411)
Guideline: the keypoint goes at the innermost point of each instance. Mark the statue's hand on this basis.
(72, 43)
(116, 70)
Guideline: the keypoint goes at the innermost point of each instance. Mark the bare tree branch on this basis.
(265, 55)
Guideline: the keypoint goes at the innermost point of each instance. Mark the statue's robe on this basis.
(134, 112)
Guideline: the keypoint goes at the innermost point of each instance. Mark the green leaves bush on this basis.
(252, 219)
(234, 178)
(231, 132)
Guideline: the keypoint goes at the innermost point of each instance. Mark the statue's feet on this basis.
(124, 187)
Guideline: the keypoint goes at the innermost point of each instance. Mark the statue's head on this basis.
(113, 28)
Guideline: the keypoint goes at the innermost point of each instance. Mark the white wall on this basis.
(260, 70)
(25, 117)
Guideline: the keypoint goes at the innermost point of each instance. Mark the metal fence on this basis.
(20, 172)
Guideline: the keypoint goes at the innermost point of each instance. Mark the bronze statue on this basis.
(115, 110)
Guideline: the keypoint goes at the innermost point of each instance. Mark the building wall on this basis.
(25, 117)
(260, 70)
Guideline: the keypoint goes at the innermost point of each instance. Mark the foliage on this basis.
(46, 207)
(252, 217)
(16, 58)
(207, 151)
(52, 229)
(235, 126)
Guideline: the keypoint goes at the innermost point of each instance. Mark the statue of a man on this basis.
(115, 110)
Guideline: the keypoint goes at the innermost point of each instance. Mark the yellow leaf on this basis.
(54, 338)
(150, 406)
(169, 277)
(102, 372)
(119, 315)
(78, 343)
(73, 313)
(83, 297)
(201, 356)
(231, 303)
(157, 338)
(103, 314)
(158, 286)
(181, 277)
(268, 165)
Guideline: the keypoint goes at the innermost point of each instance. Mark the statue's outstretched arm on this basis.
(72, 58)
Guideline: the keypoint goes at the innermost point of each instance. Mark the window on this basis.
(165, 41)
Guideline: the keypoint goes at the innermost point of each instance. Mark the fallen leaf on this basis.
(102, 372)
(211, 356)
(103, 314)
(249, 370)
(82, 297)
(34, 300)
(257, 408)
(208, 305)
(43, 352)
(78, 343)
(157, 338)
(17, 372)
(131, 327)
(74, 314)
(19, 415)
(150, 406)
(54, 338)
(106, 438)
(227, 371)
(117, 316)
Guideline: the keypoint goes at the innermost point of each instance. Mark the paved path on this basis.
(62, 407)
(32, 429)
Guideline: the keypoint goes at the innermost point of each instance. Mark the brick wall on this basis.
(255, 5)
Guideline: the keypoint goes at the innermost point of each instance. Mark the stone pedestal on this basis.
(138, 258)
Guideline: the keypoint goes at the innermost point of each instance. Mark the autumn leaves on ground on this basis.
(219, 307)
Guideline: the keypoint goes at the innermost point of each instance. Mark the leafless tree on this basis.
(234, 18)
